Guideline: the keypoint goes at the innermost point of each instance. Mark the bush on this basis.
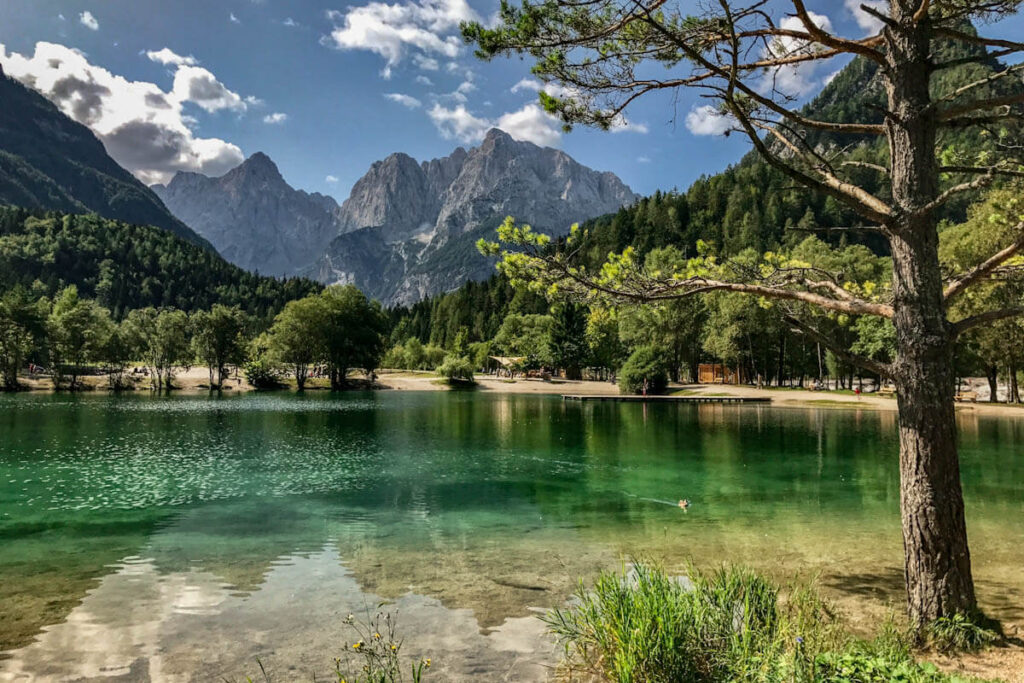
(727, 625)
(646, 362)
(262, 374)
(456, 369)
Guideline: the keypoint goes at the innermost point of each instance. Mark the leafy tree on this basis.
(456, 369)
(115, 354)
(296, 337)
(644, 372)
(602, 336)
(77, 329)
(353, 332)
(22, 329)
(601, 57)
(527, 336)
(160, 340)
(217, 340)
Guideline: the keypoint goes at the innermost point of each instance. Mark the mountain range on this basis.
(253, 217)
(408, 228)
(48, 161)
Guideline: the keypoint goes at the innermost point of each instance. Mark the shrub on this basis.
(262, 374)
(456, 369)
(646, 362)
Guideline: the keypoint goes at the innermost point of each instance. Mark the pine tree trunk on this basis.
(992, 374)
(937, 560)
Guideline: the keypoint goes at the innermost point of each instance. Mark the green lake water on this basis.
(178, 539)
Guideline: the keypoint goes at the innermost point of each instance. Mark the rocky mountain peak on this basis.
(253, 217)
(258, 168)
(409, 228)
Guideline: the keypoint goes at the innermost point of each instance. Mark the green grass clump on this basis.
(961, 633)
(726, 625)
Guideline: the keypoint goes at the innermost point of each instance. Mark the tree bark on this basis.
(1014, 396)
(992, 375)
(937, 559)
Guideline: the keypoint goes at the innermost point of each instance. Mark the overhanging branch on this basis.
(962, 326)
(869, 364)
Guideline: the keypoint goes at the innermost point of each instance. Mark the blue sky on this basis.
(326, 88)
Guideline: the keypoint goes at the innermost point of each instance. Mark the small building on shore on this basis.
(718, 373)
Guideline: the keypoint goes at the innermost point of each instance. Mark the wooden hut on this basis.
(717, 373)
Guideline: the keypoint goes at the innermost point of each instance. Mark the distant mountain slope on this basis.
(253, 217)
(48, 161)
(129, 266)
(409, 228)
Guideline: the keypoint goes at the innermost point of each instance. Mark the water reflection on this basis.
(162, 525)
(141, 623)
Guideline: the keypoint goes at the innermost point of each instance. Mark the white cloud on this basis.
(867, 22)
(643, 159)
(331, 179)
(425, 63)
(391, 30)
(423, 80)
(144, 128)
(404, 100)
(290, 23)
(623, 125)
(89, 21)
(708, 120)
(797, 79)
(528, 84)
(276, 117)
(61, 17)
(531, 123)
(197, 85)
(458, 124)
(233, 19)
(168, 57)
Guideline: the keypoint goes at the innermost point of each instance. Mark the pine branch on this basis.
(962, 326)
(980, 272)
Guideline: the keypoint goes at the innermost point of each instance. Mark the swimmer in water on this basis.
(684, 503)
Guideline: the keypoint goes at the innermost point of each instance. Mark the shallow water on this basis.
(178, 539)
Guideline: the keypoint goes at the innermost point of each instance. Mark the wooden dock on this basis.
(633, 398)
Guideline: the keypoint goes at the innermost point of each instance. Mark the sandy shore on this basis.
(196, 380)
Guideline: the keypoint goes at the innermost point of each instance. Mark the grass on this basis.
(727, 625)
(962, 633)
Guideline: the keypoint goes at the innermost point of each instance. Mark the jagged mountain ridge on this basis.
(409, 229)
(48, 161)
(253, 217)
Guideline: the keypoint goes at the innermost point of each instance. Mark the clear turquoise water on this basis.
(179, 538)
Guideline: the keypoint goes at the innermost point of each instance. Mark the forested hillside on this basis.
(48, 161)
(126, 266)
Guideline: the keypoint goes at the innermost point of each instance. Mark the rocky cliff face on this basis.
(409, 229)
(253, 217)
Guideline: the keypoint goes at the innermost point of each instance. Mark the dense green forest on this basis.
(125, 267)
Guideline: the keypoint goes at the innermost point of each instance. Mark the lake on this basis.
(180, 539)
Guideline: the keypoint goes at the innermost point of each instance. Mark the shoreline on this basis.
(195, 381)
